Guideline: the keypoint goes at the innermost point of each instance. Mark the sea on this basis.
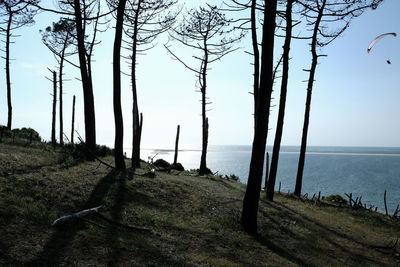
(362, 171)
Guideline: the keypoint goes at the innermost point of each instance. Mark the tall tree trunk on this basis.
(61, 98)
(252, 195)
(256, 55)
(282, 103)
(90, 124)
(135, 109)
(73, 121)
(53, 124)
(176, 144)
(8, 79)
(299, 178)
(119, 125)
(203, 161)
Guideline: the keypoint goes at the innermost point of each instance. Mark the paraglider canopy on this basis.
(378, 38)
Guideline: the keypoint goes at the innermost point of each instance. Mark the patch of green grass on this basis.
(335, 198)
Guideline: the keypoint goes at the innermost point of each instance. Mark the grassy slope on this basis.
(192, 220)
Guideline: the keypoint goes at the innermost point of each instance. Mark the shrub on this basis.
(4, 132)
(79, 150)
(27, 133)
(161, 163)
(177, 167)
(335, 198)
(103, 151)
(23, 133)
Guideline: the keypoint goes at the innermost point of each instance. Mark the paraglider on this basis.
(378, 38)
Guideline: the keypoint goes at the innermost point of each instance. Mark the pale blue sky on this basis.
(355, 99)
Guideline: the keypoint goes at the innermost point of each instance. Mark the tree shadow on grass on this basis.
(64, 234)
(302, 239)
(113, 235)
(121, 244)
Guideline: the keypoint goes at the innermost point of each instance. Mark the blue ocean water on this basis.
(362, 171)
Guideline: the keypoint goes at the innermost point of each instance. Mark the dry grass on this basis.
(192, 221)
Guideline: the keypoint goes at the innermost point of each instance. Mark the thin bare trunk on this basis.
(61, 98)
(73, 120)
(299, 178)
(135, 110)
(8, 79)
(256, 56)
(119, 125)
(176, 144)
(282, 103)
(53, 124)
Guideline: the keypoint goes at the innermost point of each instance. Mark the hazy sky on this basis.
(355, 101)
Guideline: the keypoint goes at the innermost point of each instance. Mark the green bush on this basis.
(177, 167)
(4, 132)
(335, 198)
(78, 150)
(161, 163)
(27, 133)
(23, 133)
(103, 151)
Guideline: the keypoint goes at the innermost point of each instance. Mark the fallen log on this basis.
(80, 214)
(75, 215)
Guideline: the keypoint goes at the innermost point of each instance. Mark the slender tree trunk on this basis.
(61, 98)
(203, 161)
(8, 79)
(135, 109)
(256, 56)
(90, 124)
(119, 125)
(282, 103)
(176, 144)
(73, 120)
(299, 178)
(53, 124)
(252, 195)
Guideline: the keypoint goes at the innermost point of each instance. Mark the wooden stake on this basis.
(176, 144)
(73, 120)
(384, 199)
(266, 172)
